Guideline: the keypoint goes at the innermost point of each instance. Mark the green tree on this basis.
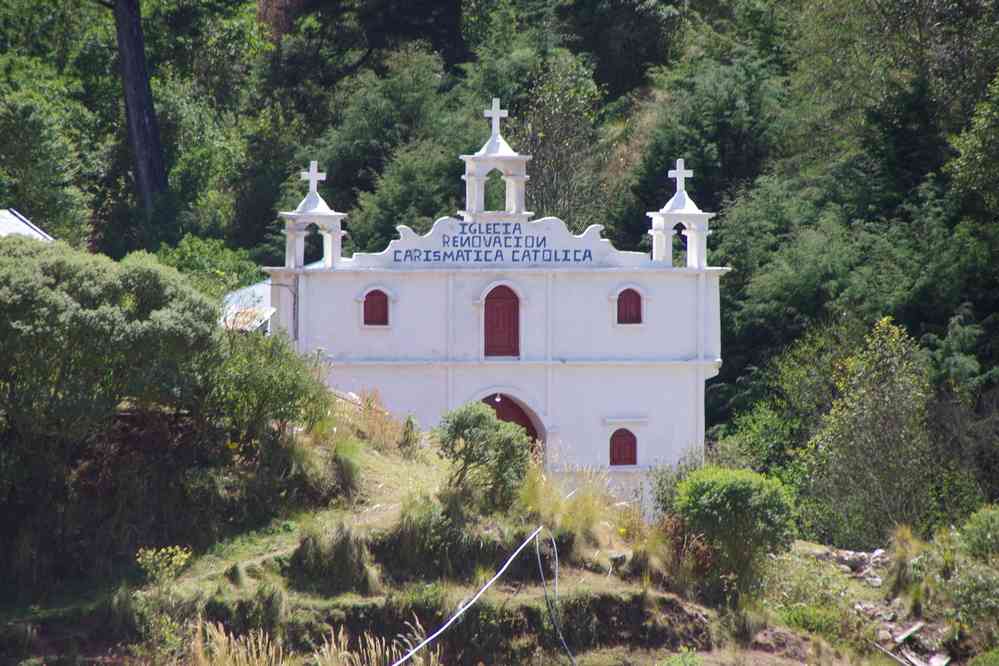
(722, 118)
(978, 145)
(421, 184)
(41, 131)
(558, 130)
(488, 457)
(211, 266)
(742, 514)
(872, 461)
(75, 328)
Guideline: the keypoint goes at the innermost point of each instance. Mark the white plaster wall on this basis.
(582, 311)
(583, 380)
(589, 403)
(405, 390)
(332, 317)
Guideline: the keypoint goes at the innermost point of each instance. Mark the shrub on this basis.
(820, 620)
(688, 559)
(665, 479)
(76, 327)
(489, 457)
(428, 540)
(333, 560)
(236, 575)
(974, 589)
(990, 658)
(981, 533)
(260, 381)
(685, 657)
(904, 551)
(267, 610)
(742, 514)
(161, 565)
(298, 473)
(108, 370)
(348, 466)
(409, 440)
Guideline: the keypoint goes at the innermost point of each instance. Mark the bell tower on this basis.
(495, 154)
(680, 209)
(313, 210)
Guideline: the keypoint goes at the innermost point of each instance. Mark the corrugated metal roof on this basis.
(12, 222)
(248, 308)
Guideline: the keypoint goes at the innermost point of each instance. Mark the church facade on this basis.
(600, 354)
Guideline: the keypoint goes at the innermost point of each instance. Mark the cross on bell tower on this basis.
(494, 114)
(680, 175)
(313, 175)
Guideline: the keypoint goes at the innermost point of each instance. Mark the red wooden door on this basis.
(623, 448)
(508, 410)
(502, 323)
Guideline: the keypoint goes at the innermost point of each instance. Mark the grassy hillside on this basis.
(612, 612)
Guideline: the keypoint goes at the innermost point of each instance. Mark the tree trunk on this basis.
(143, 130)
(278, 15)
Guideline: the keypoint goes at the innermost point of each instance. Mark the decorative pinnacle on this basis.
(680, 174)
(313, 175)
(494, 114)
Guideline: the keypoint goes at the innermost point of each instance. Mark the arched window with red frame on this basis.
(629, 307)
(623, 447)
(502, 322)
(376, 311)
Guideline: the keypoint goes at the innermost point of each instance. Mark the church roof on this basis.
(314, 204)
(680, 203)
(497, 146)
(12, 222)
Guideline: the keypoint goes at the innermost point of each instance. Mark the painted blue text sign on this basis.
(493, 243)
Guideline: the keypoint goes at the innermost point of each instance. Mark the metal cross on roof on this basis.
(495, 113)
(313, 175)
(680, 174)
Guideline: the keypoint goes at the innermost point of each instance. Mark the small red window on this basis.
(623, 447)
(376, 308)
(629, 307)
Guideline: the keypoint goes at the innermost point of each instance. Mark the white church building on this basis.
(602, 355)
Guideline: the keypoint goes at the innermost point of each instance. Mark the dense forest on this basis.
(849, 148)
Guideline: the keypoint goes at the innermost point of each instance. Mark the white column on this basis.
(294, 247)
(332, 245)
(475, 193)
(697, 245)
(662, 249)
(515, 193)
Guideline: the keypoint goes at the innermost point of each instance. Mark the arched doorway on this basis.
(508, 409)
(502, 322)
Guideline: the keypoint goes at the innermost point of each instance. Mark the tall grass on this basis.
(580, 504)
(213, 646)
(374, 423)
(375, 651)
(333, 560)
